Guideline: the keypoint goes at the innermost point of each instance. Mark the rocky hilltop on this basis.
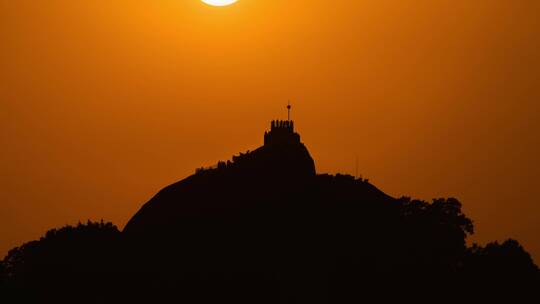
(270, 173)
(264, 227)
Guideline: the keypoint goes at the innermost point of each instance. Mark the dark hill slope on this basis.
(266, 174)
(262, 190)
(268, 219)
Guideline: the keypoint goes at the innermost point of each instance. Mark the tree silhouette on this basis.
(438, 231)
(64, 262)
(497, 261)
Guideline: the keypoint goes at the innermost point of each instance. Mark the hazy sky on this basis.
(103, 103)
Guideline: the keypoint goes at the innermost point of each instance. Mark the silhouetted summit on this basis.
(283, 165)
(272, 225)
(265, 228)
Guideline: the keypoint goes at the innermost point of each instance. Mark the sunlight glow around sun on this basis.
(219, 2)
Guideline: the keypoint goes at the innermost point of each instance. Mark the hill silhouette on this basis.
(265, 174)
(266, 228)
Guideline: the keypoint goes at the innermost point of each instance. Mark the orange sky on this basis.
(104, 102)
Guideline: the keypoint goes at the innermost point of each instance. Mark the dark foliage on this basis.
(497, 262)
(68, 262)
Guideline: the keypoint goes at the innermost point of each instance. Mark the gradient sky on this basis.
(104, 102)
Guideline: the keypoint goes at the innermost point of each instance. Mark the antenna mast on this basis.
(289, 111)
(356, 167)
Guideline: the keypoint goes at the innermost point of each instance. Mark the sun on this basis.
(219, 2)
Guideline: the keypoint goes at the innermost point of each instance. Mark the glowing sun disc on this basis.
(219, 2)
